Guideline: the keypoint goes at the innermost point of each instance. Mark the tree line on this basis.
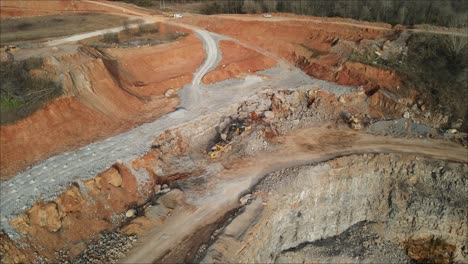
(450, 13)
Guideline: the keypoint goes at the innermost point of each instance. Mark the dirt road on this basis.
(300, 148)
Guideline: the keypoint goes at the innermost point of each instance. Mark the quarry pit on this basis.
(228, 138)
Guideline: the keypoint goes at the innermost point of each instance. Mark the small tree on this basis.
(111, 38)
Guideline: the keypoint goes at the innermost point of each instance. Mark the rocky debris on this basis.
(101, 203)
(245, 199)
(140, 225)
(93, 206)
(130, 213)
(114, 178)
(269, 115)
(303, 221)
(157, 188)
(11, 253)
(172, 199)
(452, 131)
(169, 92)
(426, 248)
(46, 216)
(109, 248)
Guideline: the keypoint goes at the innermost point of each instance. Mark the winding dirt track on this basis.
(302, 147)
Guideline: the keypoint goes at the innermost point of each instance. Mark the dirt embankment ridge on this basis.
(106, 93)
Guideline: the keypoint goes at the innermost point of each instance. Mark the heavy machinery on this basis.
(225, 144)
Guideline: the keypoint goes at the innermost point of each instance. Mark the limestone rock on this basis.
(172, 199)
(269, 115)
(114, 178)
(245, 199)
(46, 216)
(169, 93)
(130, 213)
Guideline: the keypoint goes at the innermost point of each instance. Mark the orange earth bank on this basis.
(237, 60)
(308, 44)
(155, 69)
(104, 101)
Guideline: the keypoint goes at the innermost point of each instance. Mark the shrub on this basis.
(147, 29)
(111, 38)
(22, 94)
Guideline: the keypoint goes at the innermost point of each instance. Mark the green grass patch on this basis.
(20, 93)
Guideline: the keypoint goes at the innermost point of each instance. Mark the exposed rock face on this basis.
(298, 198)
(383, 209)
(79, 212)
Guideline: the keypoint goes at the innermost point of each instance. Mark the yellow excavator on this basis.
(226, 143)
(354, 123)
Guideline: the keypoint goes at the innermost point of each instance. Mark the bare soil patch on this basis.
(18, 30)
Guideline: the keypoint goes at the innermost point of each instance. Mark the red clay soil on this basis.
(100, 106)
(282, 37)
(155, 69)
(237, 60)
(21, 8)
(356, 74)
(308, 45)
(70, 221)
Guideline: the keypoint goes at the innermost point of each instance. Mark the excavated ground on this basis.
(255, 165)
(105, 94)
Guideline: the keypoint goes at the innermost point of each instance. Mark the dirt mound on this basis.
(237, 60)
(154, 69)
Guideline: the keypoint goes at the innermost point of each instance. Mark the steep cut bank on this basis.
(370, 208)
(237, 61)
(104, 96)
(130, 197)
(320, 49)
(373, 56)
